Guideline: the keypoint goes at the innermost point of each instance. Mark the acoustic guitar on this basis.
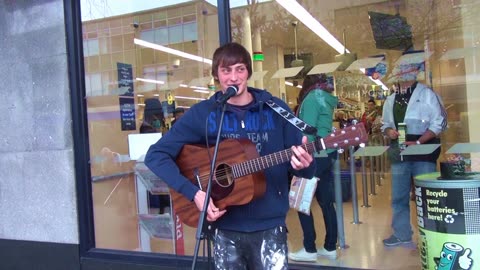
(238, 176)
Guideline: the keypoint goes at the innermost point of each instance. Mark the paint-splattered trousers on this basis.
(251, 250)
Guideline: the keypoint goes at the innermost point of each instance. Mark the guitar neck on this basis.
(264, 162)
(349, 136)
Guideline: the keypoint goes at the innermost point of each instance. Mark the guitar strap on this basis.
(290, 117)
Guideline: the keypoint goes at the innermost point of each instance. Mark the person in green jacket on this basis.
(316, 107)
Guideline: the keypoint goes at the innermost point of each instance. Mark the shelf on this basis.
(158, 226)
(152, 183)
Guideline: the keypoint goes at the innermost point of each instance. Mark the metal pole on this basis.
(364, 184)
(378, 162)
(372, 177)
(382, 162)
(386, 164)
(339, 202)
(378, 169)
(353, 183)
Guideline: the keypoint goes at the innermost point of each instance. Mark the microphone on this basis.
(230, 92)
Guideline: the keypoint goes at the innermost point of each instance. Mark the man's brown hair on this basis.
(231, 54)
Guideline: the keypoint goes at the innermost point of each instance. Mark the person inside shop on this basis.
(317, 105)
(368, 117)
(153, 122)
(342, 119)
(417, 109)
(153, 118)
(251, 235)
(177, 113)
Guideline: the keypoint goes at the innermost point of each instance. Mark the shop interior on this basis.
(155, 60)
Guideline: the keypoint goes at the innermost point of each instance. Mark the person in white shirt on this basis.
(422, 112)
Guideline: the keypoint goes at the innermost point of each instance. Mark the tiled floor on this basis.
(363, 242)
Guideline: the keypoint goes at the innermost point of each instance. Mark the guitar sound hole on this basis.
(223, 175)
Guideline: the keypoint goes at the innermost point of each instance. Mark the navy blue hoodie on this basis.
(269, 131)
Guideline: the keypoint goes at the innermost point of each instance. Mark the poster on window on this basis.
(127, 112)
(126, 99)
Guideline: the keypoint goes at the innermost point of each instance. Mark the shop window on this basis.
(113, 62)
(161, 36)
(91, 47)
(93, 84)
(190, 31)
(148, 35)
(175, 34)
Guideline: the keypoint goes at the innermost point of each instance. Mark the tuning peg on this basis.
(362, 145)
(354, 121)
(340, 150)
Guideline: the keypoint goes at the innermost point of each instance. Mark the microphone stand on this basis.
(204, 227)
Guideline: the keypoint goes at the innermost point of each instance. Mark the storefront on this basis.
(100, 72)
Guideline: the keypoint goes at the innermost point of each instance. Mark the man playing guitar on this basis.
(251, 233)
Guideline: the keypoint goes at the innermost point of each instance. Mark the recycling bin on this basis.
(448, 219)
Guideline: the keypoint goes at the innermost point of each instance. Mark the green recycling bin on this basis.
(448, 218)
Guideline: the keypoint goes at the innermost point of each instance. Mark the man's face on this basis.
(236, 74)
(371, 106)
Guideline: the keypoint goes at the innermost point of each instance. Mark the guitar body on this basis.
(194, 164)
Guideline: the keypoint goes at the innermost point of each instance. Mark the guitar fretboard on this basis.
(264, 162)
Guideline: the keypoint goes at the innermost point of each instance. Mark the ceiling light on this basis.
(198, 87)
(150, 81)
(291, 84)
(193, 98)
(201, 91)
(313, 24)
(171, 51)
(309, 21)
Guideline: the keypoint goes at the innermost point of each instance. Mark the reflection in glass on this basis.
(446, 31)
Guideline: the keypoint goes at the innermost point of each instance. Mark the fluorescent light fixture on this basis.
(171, 51)
(192, 98)
(201, 91)
(149, 81)
(306, 18)
(313, 24)
(198, 87)
(183, 85)
(291, 84)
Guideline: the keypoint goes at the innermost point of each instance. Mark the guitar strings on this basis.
(252, 165)
(222, 174)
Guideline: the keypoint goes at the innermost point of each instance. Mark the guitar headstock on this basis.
(348, 136)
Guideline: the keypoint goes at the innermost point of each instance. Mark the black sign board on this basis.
(126, 100)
